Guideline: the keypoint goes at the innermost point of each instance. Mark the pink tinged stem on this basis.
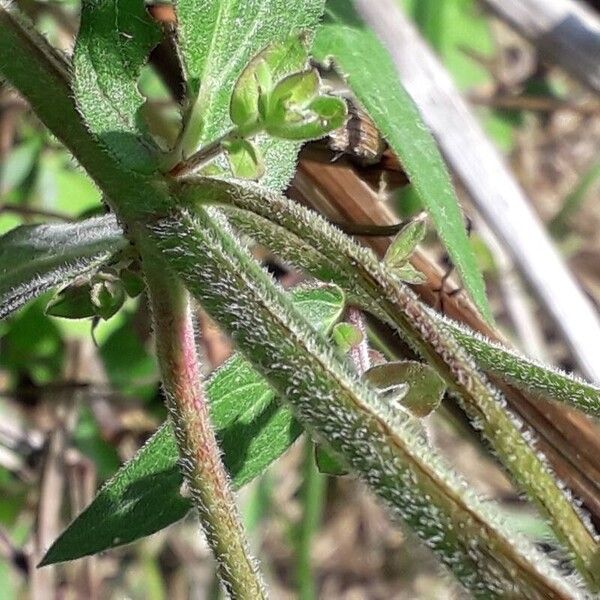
(200, 459)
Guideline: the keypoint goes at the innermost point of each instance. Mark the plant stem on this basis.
(29, 211)
(312, 497)
(363, 277)
(200, 159)
(199, 452)
(374, 441)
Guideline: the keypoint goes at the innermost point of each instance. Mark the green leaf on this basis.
(525, 373)
(412, 385)
(144, 496)
(346, 336)
(132, 282)
(128, 362)
(72, 302)
(33, 346)
(405, 242)
(294, 93)
(369, 71)
(513, 367)
(19, 163)
(331, 110)
(107, 298)
(409, 274)
(258, 78)
(295, 122)
(328, 464)
(377, 443)
(218, 39)
(245, 159)
(35, 259)
(115, 38)
(379, 291)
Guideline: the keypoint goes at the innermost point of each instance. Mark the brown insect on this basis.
(359, 138)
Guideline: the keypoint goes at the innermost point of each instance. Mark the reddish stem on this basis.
(200, 459)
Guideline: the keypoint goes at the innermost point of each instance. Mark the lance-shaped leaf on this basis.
(114, 40)
(525, 373)
(368, 69)
(144, 496)
(38, 258)
(405, 242)
(218, 39)
(377, 444)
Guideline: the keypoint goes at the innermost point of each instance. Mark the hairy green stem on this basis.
(356, 268)
(200, 459)
(371, 438)
(203, 157)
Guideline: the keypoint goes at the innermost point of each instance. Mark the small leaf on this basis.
(132, 282)
(413, 385)
(405, 243)
(292, 95)
(331, 110)
(107, 298)
(327, 464)
(254, 83)
(258, 78)
(409, 274)
(72, 302)
(36, 259)
(346, 336)
(18, 164)
(218, 39)
(144, 496)
(245, 159)
(323, 115)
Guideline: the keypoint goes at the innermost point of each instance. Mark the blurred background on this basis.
(77, 398)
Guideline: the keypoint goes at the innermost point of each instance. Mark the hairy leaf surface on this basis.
(397, 305)
(526, 373)
(38, 258)
(506, 363)
(113, 44)
(218, 39)
(371, 75)
(144, 496)
(378, 444)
